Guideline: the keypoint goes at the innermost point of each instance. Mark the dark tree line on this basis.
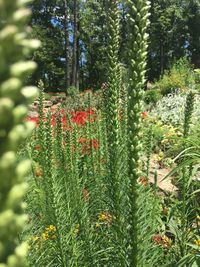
(74, 39)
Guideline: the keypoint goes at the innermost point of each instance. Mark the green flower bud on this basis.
(30, 93)
(8, 160)
(22, 3)
(19, 113)
(21, 69)
(13, 108)
(21, 15)
(23, 168)
(6, 106)
(11, 88)
(8, 32)
(15, 195)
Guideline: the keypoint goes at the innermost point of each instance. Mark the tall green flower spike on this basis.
(138, 13)
(113, 84)
(14, 98)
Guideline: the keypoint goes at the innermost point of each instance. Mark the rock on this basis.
(47, 103)
(166, 184)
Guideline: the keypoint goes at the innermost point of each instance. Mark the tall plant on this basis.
(138, 13)
(14, 100)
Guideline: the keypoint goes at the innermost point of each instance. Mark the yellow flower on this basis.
(105, 217)
(159, 157)
(51, 228)
(102, 217)
(97, 225)
(166, 241)
(197, 242)
(45, 236)
(198, 217)
(164, 141)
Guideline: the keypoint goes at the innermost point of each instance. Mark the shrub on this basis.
(197, 79)
(170, 109)
(152, 96)
(72, 91)
(180, 76)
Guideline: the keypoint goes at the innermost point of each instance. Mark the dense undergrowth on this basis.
(72, 185)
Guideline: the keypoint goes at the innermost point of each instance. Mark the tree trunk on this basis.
(78, 50)
(66, 40)
(75, 41)
(161, 57)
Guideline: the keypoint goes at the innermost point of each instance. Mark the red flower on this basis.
(143, 180)
(82, 140)
(95, 144)
(53, 121)
(80, 117)
(164, 241)
(38, 172)
(33, 119)
(144, 115)
(38, 147)
(157, 239)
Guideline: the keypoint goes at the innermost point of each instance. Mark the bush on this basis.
(197, 79)
(170, 109)
(181, 76)
(72, 91)
(152, 96)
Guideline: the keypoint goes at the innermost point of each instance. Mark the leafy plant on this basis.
(170, 110)
(179, 77)
(152, 96)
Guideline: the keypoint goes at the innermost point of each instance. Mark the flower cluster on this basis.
(104, 218)
(35, 120)
(38, 171)
(80, 117)
(144, 114)
(162, 240)
(49, 233)
(170, 134)
(159, 157)
(143, 180)
(197, 242)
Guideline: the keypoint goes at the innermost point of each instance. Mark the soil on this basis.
(166, 184)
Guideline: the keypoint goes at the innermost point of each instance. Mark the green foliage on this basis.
(15, 46)
(179, 77)
(197, 79)
(72, 92)
(170, 110)
(174, 33)
(152, 96)
(83, 191)
(187, 205)
(90, 197)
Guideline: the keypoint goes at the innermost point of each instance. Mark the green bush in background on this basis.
(152, 96)
(180, 77)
